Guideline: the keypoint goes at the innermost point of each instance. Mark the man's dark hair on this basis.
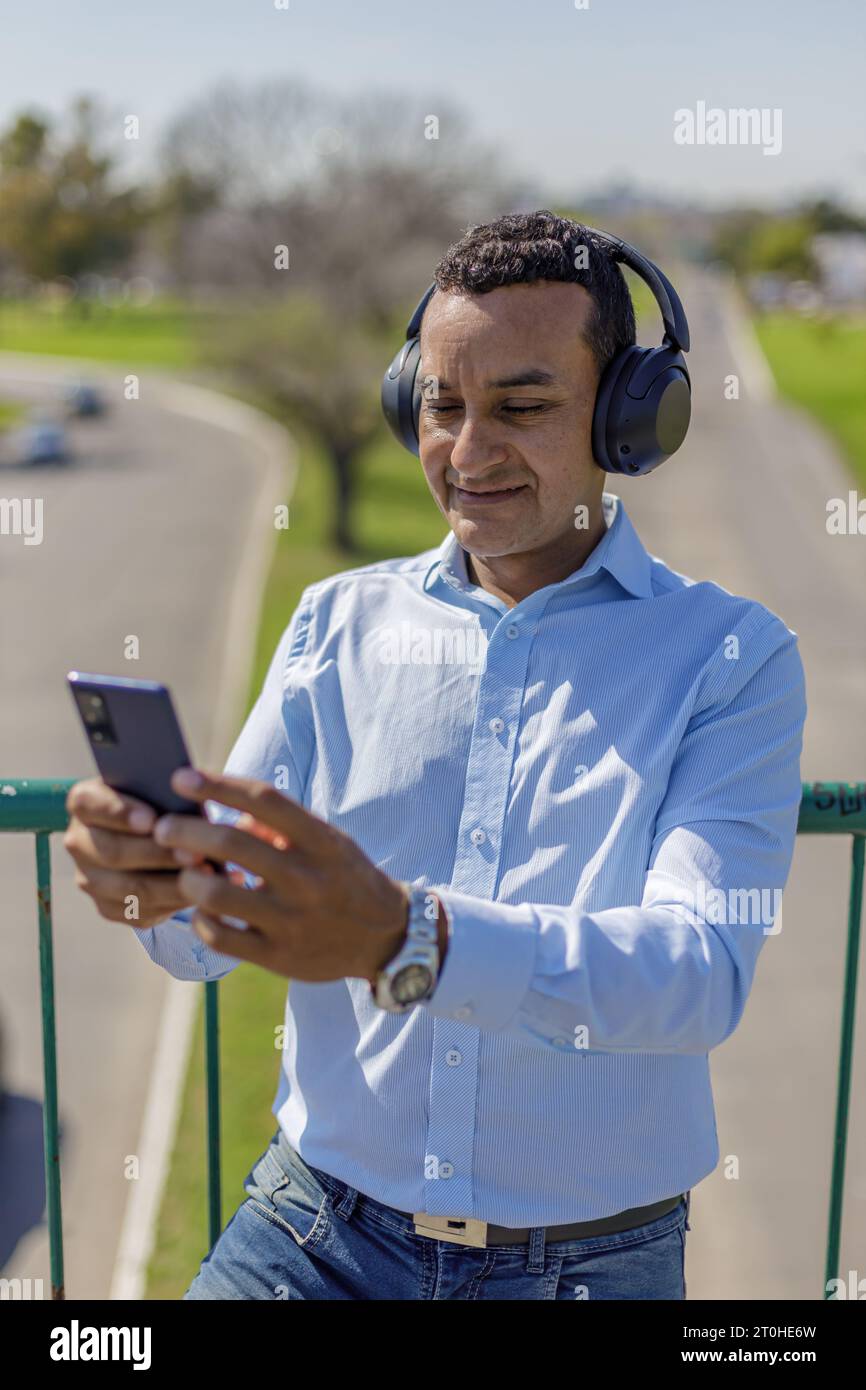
(520, 248)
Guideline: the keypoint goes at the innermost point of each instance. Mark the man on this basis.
(501, 783)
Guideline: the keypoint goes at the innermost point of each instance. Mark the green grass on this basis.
(395, 515)
(10, 413)
(821, 365)
(159, 334)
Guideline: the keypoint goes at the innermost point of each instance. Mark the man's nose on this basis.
(475, 448)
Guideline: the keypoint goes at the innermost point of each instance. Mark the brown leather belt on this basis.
(482, 1234)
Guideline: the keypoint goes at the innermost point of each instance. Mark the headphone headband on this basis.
(670, 306)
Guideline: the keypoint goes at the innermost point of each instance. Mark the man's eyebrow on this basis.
(526, 376)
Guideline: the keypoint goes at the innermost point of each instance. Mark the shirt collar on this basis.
(620, 551)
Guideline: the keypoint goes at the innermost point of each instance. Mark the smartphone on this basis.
(135, 737)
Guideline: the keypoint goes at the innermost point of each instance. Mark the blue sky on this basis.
(571, 98)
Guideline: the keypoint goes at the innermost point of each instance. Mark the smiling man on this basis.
(487, 880)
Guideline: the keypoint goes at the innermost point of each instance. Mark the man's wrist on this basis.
(390, 944)
(393, 935)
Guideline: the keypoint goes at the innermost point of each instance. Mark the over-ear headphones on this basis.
(644, 399)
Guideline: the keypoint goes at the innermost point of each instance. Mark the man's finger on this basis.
(247, 945)
(265, 832)
(222, 842)
(90, 845)
(215, 894)
(259, 799)
(139, 894)
(95, 803)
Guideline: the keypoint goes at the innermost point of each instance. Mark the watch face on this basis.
(411, 983)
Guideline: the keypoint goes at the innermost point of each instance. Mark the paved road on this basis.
(744, 504)
(144, 534)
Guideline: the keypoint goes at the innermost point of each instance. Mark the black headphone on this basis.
(644, 399)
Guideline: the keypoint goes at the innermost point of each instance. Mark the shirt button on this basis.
(446, 1170)
(463, 1012)
(512, 631)
(454, 1058)
(478, 836)
(496, 725)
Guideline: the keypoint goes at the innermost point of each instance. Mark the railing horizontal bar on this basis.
(39, 805)
(833, 808)
(34, 803)
(31, 803)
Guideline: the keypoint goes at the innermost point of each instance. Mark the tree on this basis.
(59, 213)
(311, 366)
(782, 244)
(364, 203)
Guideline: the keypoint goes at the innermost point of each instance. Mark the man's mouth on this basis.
(484, 497)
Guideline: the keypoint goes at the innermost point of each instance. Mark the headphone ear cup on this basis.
(604, 446)
(401, 395)
(642, 410)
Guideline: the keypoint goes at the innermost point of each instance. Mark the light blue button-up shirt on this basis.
(602, 782)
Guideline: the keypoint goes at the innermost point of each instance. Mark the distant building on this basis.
(767, 290)
(841, 261)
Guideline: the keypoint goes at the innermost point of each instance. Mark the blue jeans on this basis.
(303, 1234)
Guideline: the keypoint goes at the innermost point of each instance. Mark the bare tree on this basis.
(364, 201)
(365, 194)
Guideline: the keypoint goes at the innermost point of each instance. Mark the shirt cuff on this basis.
(490, 960)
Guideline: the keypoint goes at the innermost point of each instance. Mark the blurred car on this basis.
(84, 399)
(42, 441)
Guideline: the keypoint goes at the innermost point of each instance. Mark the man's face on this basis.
(506, 444)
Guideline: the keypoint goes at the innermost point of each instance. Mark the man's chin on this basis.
(485, 539)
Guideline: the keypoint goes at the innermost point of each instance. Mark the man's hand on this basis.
(110, 837)
(321, 910)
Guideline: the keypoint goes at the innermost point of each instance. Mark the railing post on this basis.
(50, 1129)
(212, 1083)
(846, 1052)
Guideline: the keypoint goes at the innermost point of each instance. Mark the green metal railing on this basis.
(827, 808)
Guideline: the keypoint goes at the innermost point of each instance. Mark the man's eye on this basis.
(440, 409)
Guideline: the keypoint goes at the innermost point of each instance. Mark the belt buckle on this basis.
(459, 1230)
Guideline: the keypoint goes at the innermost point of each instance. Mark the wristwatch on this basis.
(410, 978)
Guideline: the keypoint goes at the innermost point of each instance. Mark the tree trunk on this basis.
(342, 459)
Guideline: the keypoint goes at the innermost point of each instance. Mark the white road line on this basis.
(739, 330)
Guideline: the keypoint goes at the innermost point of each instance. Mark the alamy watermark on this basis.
(737, 126)
(22, 516)
(846, 518)
(405, 644)
(25, 1290)
(736, 907)
(77, 1343)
